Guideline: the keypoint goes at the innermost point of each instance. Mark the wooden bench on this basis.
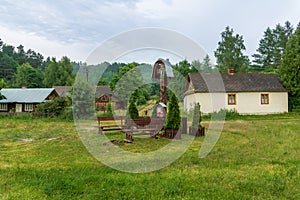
(110, 127)
(143, 126)
(145, 131)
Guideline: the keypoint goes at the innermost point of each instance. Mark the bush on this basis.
(196, 116)
(109, 110)
(132, 111)
(173, 114)
(224, 114)
(54, 107)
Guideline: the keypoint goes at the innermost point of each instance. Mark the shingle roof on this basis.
(63, 91)
(236, 83)
(101, 90)
(26, 95)
(105, 90)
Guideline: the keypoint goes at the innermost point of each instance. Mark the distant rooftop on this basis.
(26, 95)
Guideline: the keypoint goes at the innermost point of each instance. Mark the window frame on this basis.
(229, 98)
(28, 107)
(3, 106)
(263, 95)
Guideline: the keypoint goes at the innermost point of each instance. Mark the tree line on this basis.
(20, 68)
(277, 52)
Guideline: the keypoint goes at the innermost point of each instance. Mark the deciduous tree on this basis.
(59, 73)
(128, 84)
(29, 76)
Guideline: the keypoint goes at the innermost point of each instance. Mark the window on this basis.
(231, 99)
(264, 98)
(104, 98)
(28, 107)
(3, 106)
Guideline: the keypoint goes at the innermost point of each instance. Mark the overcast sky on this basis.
(75, 28)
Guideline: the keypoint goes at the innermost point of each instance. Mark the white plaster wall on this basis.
(209, 102)
(246, 103)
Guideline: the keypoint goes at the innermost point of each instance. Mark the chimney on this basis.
(230, 71)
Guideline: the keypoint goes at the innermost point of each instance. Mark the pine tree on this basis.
(132, 111)
(83, 98)
(290, 69)
(271, 47)
(229, 53)
(206, 65)
(173, 114)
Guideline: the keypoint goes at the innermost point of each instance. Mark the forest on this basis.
(278, 52)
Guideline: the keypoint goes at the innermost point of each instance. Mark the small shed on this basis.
(161, 109)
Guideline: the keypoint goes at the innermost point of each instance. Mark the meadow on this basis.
(255, 158)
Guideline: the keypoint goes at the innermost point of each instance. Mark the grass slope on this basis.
(254, 159)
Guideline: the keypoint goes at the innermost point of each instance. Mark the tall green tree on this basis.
(271, 47)
(59, 73)
(20, 56)
(29, 76)
(289, 69)
(108, 74)
(8, 67)
(173, 114)
(35, 59)
(83, 98)
(122, 72)
(177, 84)
(51, 73)
(132, 111)
(127, 84)
(65, 72)
(184, 68)
(229, 53)
(207, 66)
(2, 85)
(203, 67)
(8, 50)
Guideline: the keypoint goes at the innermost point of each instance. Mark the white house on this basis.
(245, 93)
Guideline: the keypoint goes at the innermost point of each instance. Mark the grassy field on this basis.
(255, 158)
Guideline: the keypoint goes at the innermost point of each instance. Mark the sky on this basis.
(76, 28)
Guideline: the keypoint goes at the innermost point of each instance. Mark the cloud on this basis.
(66, 20)
(52, 48)
(87, 23)
(173, 9)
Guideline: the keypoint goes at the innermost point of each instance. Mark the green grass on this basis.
(255, 158)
